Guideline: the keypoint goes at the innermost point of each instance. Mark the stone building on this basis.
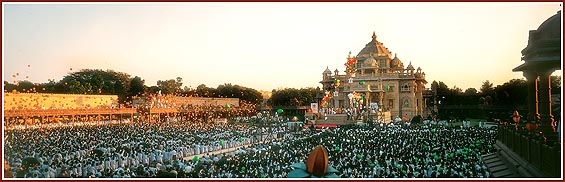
(534, 150)
(541, 58)
(381, 79)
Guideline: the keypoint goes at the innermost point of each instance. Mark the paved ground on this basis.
(228, 150)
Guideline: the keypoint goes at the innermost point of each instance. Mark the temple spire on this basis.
(374, 36)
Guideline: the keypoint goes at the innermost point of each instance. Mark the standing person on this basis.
(348, 111)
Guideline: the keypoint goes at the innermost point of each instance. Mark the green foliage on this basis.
(487, 89)
(470, 91)
(152, 89)
(21, 86)
(513, 92)
(95, 81)
(171, 86)
(136, 88)
(204, 91)
(294, 97)
(235, 91)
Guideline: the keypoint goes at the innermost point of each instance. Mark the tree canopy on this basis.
(294, 97)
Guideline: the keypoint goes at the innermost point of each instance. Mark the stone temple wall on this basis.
(196, 101)
(57, 101)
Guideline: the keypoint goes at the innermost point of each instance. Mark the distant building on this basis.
(381, 79)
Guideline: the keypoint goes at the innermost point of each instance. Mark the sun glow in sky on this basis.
(265, 45)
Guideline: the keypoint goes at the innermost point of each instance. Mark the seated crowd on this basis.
(167, 149)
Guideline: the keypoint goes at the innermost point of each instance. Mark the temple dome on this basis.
(551, 27)
(373, 48)
(396, 63)
(327, 71)
(544, 45)
(410, 67)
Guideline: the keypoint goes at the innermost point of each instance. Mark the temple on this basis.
(382, 81)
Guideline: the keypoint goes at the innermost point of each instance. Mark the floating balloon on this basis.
(279, 111)
(361, 83)
(350, 65)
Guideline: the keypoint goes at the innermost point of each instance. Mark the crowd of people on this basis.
(386, 151)
(126, 149)
(170, 149)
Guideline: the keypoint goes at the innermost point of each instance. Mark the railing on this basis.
(533, 149)
(371, 75)
(163, 110)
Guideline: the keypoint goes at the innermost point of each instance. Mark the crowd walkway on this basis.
(234, 149)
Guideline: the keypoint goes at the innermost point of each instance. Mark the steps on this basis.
(497, 167)
(505, 163)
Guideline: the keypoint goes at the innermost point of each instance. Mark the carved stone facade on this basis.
(381, 79)
(541, 58)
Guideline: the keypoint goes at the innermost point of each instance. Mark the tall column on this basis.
(547, 125)
(532, 79)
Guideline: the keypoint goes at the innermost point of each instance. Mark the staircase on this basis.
(505, 163)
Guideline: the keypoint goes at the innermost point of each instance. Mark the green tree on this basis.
(234, 91)
(95, 81)
(293, 97)
(171, 86)
(8, 87)
(21, 86)
(152, 89)
(514, 92)
(456, 90)
(204, 91)
(487, 89)
(471, 91)
(49, 87)
(136, 88)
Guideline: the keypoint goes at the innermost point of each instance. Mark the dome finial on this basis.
(374, 36)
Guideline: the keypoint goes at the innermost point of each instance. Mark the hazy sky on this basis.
(265, 45)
